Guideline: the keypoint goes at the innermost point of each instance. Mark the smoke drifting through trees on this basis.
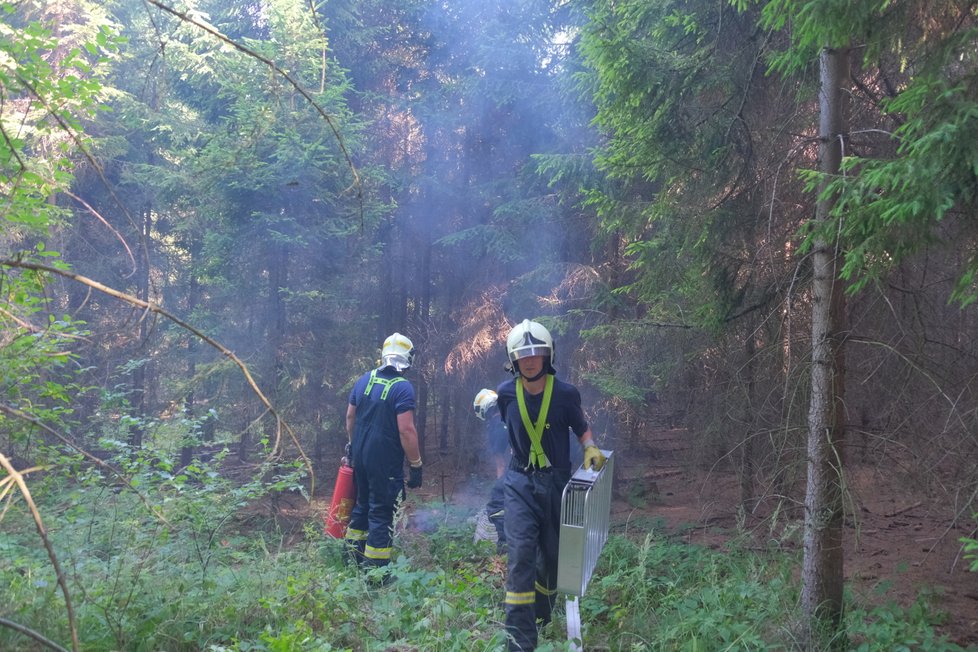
(660, 243)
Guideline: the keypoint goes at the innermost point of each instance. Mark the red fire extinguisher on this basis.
(344, 495)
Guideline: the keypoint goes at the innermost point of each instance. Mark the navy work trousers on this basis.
(532, 522)
(371, 529)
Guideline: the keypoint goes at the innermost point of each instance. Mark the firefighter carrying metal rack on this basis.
(539, 412)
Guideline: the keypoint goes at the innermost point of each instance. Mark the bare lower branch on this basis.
(94, 213)
(126, 480)
(26, 492)
(150, 307)
(30, 633)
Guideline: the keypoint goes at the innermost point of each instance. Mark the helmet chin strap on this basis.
(543, 372)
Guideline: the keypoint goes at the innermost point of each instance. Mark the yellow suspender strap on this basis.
(538, 458)
(386, 382)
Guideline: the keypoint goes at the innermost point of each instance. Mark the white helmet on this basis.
(484, 401)
(528, 339)
(397, 352)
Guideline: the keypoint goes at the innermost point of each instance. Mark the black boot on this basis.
(354, 552)
(379, 575)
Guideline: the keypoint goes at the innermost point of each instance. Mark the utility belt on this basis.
(524, 468)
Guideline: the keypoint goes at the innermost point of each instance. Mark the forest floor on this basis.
(899, 545)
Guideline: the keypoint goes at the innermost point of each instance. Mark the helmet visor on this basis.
(530, 351)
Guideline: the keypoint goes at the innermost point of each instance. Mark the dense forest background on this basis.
(215, 211)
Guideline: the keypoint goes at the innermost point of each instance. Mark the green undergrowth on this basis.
(219, 576)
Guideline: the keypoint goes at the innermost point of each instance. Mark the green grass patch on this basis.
(218, 578)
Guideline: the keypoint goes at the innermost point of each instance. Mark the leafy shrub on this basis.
(893, 628)
(970, 547)
(661, 594)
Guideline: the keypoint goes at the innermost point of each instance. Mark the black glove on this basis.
(414, 480)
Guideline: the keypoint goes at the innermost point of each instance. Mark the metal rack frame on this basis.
(585, 512)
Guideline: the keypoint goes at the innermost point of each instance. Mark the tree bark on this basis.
(190, 442)
(822, 572)
(747, 462)
(138, 377)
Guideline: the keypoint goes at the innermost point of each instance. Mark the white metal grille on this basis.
(584, 518)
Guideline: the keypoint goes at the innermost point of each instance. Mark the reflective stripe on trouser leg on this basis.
(377, 556)
(355, 535)
(356, 530)
(528, 597)
(545, 600)
(356, 541)
(384, 495)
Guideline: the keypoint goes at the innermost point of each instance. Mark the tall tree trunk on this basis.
(138, 378)
(387, 324)
(747, 463)
(822, 571)
(423, 392)
(274, 371)
(423, 304)
(447, 400)
(190, 438)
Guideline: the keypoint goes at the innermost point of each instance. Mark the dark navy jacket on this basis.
(376, 438)
(564, 416)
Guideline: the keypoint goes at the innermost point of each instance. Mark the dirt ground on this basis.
(896, 548)
(899, 546)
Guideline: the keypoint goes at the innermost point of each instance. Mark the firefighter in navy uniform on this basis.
(380, 428)
(497, 442)
(539, 412)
